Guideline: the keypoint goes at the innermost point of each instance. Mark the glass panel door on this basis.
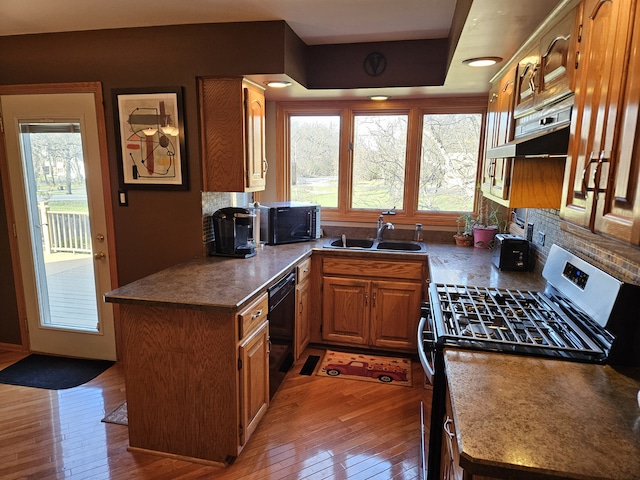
(56, 195)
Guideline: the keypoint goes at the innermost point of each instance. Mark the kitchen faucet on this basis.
(382, 227)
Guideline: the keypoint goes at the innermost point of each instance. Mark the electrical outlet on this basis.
(541, 237)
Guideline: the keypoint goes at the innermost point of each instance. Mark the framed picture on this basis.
(150, 137)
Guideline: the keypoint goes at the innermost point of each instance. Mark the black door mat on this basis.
(310, 365)
(51, 372)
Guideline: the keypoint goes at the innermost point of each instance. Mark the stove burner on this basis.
(495, 317)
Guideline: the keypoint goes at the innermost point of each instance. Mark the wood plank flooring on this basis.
(316, 428)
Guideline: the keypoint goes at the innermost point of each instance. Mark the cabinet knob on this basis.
(99, 255)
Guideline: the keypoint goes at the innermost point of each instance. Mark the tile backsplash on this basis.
(619, 260)
(212, 201)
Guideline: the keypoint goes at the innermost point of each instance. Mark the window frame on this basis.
(415, 110)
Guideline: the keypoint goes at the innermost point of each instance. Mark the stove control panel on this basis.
(575, 275)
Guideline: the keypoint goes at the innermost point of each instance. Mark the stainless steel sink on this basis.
(371, 244)
(400, 245)
(353, 243)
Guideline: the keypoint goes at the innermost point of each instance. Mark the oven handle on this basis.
(421, 351)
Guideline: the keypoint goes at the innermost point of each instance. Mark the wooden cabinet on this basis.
(516, 182)
(232, 135)
(601, 177)
(496, 171)
(372, 303)
(546, 70)
(196, 379)
(543, 73)
(253, 358)
(303, 303)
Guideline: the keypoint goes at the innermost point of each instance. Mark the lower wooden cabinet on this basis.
(253, 356)
(303, 308)
(372, 303)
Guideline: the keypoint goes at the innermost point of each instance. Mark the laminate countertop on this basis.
(227, 283)
(526, 417)
(213, 282)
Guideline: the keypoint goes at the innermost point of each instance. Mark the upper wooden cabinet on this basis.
(601, 179)
(496, 171)
(540, 74)
(546, 68)
(232, 135)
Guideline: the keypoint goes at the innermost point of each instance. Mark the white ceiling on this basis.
(493, 27)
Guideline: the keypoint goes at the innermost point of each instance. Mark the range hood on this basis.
(552, 142)
(540, 133)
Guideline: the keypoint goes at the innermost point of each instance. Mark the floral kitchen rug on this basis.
(369, 368)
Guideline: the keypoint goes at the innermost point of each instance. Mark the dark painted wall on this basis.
(158, 229)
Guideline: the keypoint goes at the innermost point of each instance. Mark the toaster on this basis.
(510, 252)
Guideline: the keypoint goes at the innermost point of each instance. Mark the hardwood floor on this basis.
(315, 428)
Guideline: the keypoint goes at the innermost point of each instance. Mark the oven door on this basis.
(427, 343)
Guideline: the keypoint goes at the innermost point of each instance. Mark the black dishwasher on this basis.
(282, 312)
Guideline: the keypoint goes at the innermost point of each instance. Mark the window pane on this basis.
(314, 150)
(379, 156)
(450, 145)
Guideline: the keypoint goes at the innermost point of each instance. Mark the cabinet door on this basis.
(395, 312)
(497, 171)
(231, 135)
(601, 69)
(255, 138)
(345, 310)
(254, 381)
(557, 60)
(527, 82)
(303, 330)
(617, 208)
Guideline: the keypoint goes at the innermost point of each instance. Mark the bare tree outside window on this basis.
(450, 147)
(314, 145)
(379, 159)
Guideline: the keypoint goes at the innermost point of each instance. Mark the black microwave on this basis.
(289, 222)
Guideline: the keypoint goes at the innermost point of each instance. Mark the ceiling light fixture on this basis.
(379, 98)
(278, 84)
(482, 61)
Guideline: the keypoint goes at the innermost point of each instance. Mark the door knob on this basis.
(99, 255)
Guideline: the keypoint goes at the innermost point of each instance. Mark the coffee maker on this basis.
(233, 232)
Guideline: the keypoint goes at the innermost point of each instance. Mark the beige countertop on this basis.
(522, 417)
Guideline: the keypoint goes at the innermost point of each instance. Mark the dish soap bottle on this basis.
(417, 235)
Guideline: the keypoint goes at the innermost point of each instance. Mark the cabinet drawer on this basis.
(252, 316)
(304, 270)
(406, 270)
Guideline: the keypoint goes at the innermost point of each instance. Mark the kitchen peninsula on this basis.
(195, 351)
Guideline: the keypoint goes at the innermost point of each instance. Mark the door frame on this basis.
(59, 88)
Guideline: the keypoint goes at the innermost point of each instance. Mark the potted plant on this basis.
(464, 234)
(485, 228)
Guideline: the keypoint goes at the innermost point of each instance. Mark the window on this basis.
(379, 159)
(449, 162)
(313, 158)
(356, 159)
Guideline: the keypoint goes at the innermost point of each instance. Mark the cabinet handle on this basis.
(266, 165)
(256, 315)
(585, 171)
(373, 298)
(366, 299)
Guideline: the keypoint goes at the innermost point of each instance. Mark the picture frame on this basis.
(150, 138)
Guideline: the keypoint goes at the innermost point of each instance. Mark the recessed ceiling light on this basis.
(379, 98)
(278, 84)
(482, 61)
